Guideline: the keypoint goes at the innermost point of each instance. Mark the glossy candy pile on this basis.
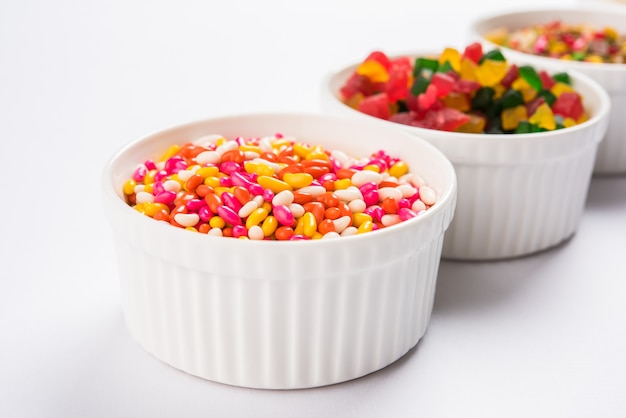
(472, 91)
(564, 41)
(275, 188)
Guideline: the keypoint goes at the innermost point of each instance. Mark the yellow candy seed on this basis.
(298, 180)
(170, 152)
(258, 169)
(269, 225)
(273, 184)
(317, 235)
(220, 189)
(317, 154)
(140, 207)
(149, 178)
(252, 148)
(299, 229)
(309, 224)
(359, 218)
(151, 208)
(399, 169)
(217, 222)
(220, 141)
(191, 228)
(372, 167)
(366, 226)
(301, 150)
(210, 171)
(342, 184)
(267, 206)
(212, 181)
(129, 187)
(256, 217)
(280, 143)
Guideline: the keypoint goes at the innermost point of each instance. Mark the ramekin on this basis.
(611, 155)
(517, 193)
(280, 314)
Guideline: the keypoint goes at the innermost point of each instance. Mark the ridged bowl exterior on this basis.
(517, 194)
(611, 155)
(280, 315)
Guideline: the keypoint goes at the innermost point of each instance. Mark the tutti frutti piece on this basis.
(471, 91)
(561, 40)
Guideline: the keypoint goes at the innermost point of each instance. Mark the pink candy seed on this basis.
(150, 165)
(166, 197)
(370, 197)
(229, 167)
(231, 201)
(194, 205)
(140, 173)
(228, 215)
(406, 213)
(205, 214)
(283, 215)
(240, 231)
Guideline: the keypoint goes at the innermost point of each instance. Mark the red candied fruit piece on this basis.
(546, 80)
(511, 75)
(466, 86)
(443, 82)
(357, 83)
(474, 52)
(445, 119)
(569, 105)
(402, 64)
(380, 57)
(427, 99)
(404, 118)
(376, 105)
(531, 107)
(396, 86)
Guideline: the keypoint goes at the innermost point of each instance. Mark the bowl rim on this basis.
(446, 199)
(477, 29)
(600, 113)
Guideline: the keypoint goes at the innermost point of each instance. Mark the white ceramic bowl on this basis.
(280, 314)
(611, 156)
(517, 194)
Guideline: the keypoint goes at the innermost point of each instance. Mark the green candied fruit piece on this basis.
(419, 85)
(422, 63)
(512, 98)
(523, 128)
(578, 55)
(445, 67)
(494, 55)
(563, 78)
(536, 128)
(529, 74)
(482, 98)
(547, 96)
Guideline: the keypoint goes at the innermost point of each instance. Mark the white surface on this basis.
(542, 336)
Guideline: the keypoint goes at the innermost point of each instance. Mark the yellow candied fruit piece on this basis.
(217, 222)
(360, 217)
(468, 69)
(355, 100)
(372, 167)
(212, 181)
(498, 36)
(373, 70)
(210, 171)
(611, 32)
(491, 72)
(583, 118)
(476, 125)
(594, 58)
(558, 48)
(528, 93)
(543, 117)
(569, 122)
(453, 57)
(342, 184)
(170, 152)
(399, 169)
(458, 101)
(129, 187)
(499, 91)
(513, 116)
(559, 88)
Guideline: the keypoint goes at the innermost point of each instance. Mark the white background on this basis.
(540, 336)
